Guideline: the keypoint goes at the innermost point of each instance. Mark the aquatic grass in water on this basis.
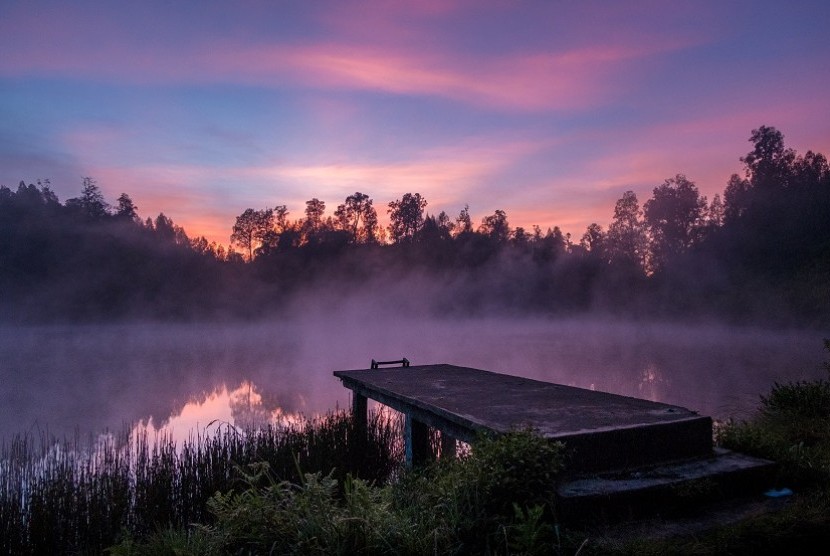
(75, 496)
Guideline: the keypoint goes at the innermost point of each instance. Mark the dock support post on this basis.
(360, 419)
(359, 411)
(416, 441)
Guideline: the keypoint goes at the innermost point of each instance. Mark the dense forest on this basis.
(758, 253)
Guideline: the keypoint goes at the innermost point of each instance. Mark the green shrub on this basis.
(318, 515)
(488, 498)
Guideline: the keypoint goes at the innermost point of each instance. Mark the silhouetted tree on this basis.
(674, 217)
(168, 231)
(715, 212)
(232, 256)
(463, 223)
(251, 228)
(736, 198)
(290, 238)
(406, 217)
(593, 240)
(521, 239)
(445, 224)
(812, 168)
(313, 226)
(201, 246)
(126, 209)
(626, 241)
(274, 232)
(768, 164)
(314, 211)
(280, 218)
(496, 227)
(769, 238)
(49, 196)
(548, 247)
(358, 217)
(432, 233)
(91, 203)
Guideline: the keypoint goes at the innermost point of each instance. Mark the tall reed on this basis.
(75, 496)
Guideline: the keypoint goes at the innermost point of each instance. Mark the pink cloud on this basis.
(521, 81)
(402, 62)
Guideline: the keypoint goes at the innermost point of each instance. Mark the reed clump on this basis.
(83, 496)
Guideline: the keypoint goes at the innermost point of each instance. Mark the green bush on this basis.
(306, 518)
(500, 494)
(801, 400)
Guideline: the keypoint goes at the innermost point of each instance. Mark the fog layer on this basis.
(68, 379)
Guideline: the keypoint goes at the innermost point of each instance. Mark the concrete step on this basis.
(663, 434)
(663, 488)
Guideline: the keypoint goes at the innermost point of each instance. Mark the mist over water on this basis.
(68, 379)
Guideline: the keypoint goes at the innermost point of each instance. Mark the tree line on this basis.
(760, 250)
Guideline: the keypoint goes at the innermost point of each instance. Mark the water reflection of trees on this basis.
(652, 382)
(244, 408)
(248, 409)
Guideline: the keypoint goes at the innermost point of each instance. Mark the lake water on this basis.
(182, 378)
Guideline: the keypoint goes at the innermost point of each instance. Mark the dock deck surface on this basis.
(606, 430)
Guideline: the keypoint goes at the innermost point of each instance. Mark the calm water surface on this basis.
(185, 377)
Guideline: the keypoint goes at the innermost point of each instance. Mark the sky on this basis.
(548, 110)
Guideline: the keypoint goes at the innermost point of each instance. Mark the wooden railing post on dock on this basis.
(404, 362)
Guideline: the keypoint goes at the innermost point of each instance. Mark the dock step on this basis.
(665, 487)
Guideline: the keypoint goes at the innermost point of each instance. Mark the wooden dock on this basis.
(606, 431)
(614, 443)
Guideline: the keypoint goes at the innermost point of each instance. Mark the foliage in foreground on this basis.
(498, 499)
